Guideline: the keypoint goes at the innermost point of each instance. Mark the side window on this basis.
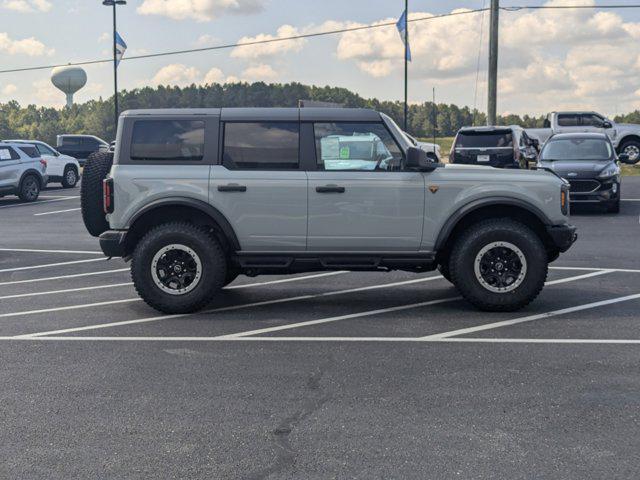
(568, 120)
(261, 145)
(45, 150)
(591, 120)
(72, 141)
(31, 152)
(8, 153)
(356, 146)
(168, 140)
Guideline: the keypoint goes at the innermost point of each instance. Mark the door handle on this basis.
(232, 187)
(331, 189)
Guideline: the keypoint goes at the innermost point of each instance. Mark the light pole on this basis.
(492, 116)
(114, 4)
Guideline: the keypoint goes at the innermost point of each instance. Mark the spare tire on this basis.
(96, 169)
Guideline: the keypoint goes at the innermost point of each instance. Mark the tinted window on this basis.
(577, 149)
(592, 120)
(568, 120)
(492, 139)
(165, 140)
(356, 146)
(8, 153)
(30, 151)
(72, 141)
(261, 146)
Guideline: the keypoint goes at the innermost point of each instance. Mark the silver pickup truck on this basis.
(625, 137)
(196, 197)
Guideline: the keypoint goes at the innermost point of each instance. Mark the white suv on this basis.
(61, 168)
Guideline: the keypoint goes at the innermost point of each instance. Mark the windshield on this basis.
(479, 139)
(577, 149)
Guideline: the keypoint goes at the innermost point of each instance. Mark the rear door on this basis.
(360, 198)
(10, 167)
(568, 123)
(259, 185)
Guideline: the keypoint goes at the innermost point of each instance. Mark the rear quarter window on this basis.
(168, 140)
(30, 151)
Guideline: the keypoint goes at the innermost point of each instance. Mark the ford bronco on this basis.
(196, 197)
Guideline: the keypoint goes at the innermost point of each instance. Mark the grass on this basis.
(631, 170)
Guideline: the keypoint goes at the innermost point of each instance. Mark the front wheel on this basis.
(632, 149)
(69, 177)
(499, 265)
(178, 268)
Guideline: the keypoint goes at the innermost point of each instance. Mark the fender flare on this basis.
(470, 207)
(203, 207)
(33, 172)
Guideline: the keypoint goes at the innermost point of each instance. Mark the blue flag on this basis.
(121, 47)
(402, 27)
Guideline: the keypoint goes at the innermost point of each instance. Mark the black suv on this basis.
(500, 147)
(80, 146)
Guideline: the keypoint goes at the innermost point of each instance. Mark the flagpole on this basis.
(115, 69)
(406, 63)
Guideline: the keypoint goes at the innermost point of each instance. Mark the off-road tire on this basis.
(95, 170)
(67, 182)
(474, 239)
(29, 189)
(445, 272)
(203, 243)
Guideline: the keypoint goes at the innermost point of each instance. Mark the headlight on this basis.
(610, 171)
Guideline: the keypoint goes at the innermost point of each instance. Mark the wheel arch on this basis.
(35, 173)
(496, 207)
(626, 138)
(182, 209)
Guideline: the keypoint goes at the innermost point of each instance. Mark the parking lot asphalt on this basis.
(326, 375)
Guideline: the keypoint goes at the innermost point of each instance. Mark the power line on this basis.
(316, 34)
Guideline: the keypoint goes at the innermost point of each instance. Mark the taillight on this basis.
(43, 162)
(107, 195)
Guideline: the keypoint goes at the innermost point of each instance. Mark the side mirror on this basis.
(607, 124)
(417, 159)
(624, 158)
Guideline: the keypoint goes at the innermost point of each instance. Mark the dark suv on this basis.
(80, 146)
(500, 147)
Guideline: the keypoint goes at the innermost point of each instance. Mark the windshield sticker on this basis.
(345, 153)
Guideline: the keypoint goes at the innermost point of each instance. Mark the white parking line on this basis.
(57, 211)
(579, 277)
(230, 308)
(63, 277)
(631, 199)
(68, 290)
(38, 203)
(29, 250)
(34, 267)
(530, 318)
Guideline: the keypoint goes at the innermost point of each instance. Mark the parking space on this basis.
(345, 372)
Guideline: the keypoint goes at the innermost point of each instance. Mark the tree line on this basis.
(95, 117)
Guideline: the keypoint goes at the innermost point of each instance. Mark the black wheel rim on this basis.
(500, 267)
(30, 189)
(176, 269)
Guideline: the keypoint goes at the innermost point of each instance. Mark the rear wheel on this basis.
(499, 265)
(69, 177)
(95, 170)
(178, 268)
(29, 189)
(632, 149)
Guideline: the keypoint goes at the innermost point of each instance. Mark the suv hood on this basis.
(577, 168)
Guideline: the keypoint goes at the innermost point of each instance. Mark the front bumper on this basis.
(608, 192)
(112, 243)
(563, 236)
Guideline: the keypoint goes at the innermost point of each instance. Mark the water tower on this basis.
(69, 80)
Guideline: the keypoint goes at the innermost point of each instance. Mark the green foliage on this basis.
(95, 117)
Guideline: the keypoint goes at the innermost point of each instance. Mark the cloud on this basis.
(177, 74)
(27, 6)
(205, 40)
(261, 72)
(215, 75)
(199, 10)
(272, 48)
(9, 89)
(105, 37)
(27, 46)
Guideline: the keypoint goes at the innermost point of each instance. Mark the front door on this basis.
(360, 199)
(260, 187)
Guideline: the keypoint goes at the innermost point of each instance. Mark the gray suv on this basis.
(23, 172)
(196, 197)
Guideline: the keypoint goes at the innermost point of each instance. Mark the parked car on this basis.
(199, 196)
(590, 164)
(23, 172)
(61, 168)
(624, 137)
(80, 146)
(500, 147)
(432, 149)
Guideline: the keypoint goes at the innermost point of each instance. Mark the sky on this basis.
(549, 60)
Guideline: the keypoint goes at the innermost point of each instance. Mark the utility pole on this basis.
(493, 63)
(406, 63)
